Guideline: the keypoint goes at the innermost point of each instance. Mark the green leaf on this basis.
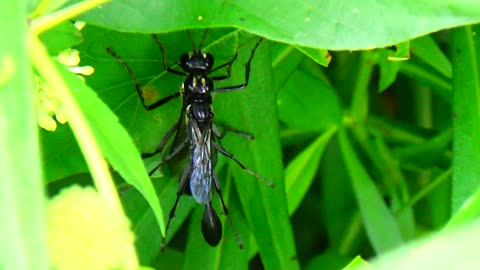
(199, 253)
(22, 198)
(285, 61)
(300, 173)
(63, 36)
(427, 49)
(351, 26)
(337, 201)
(320, 111)
(426, 154)
(388, 62)
(358, 263)
(468, 213)
(31, 5)
(429, 77)
(172, 258)
(466, 110)
(388, 69)
(396, 186)
(143, 219)
(320, 56)
(402, 52)
(254, 110)
(113, 140)
(329, 260)
(61, 155)
(380, 225)
(443, 251)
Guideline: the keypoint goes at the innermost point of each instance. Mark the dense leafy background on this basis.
(360, 152)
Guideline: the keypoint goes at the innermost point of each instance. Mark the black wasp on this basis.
(197, 120)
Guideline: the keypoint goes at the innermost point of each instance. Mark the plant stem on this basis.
(48, 21)
(424, 192)
(41, 8)
(359, 106)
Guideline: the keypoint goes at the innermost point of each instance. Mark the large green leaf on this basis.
(22, 199)
(444, 251)
(466, 109)
(253, 110)
(326, 24)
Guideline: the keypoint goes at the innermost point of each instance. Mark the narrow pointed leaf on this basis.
(114, 141)
(381, 227)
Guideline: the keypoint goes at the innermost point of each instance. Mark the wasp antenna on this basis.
(194, 49)
(202, 40)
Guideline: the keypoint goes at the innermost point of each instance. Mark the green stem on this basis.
(48, 21)
(359, 109)
(394, 131)
(422, 193)
(41, 8)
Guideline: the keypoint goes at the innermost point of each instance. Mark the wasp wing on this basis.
(201, 162)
